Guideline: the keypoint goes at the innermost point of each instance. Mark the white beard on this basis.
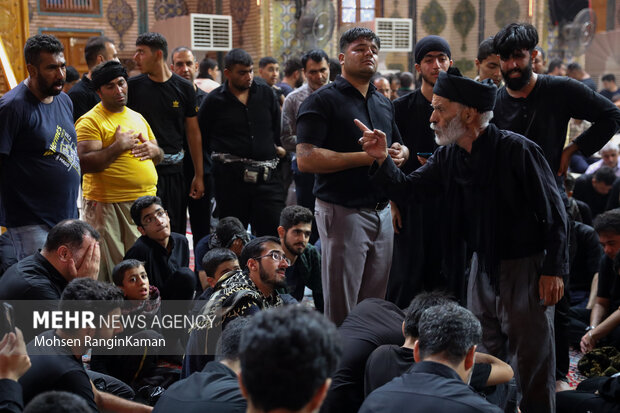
(451, 133)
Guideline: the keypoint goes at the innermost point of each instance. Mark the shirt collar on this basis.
(438, 369)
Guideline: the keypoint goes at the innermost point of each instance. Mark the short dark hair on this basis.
(605, 175)
(541, 51)
(355, 33)
(485, 49)
(41, 43)
(118, 273)
(155, 41)
(227, 230)
(204, 67)
(569, 183)
(292, 65)
(69, 232)
(553, 64)
(94, 47)
(334, 68)
(609, 77)
(515, 36)
(316, 55)
(57, 402)
(213, 258)
(98, 296)
(293, 215)
(255, 247)
(140, 204)
(180, 49)
(228, 345)
(237, 57)
(573, 66)
(448, 329)
(406, 79)
(301, 348)
(267, 60)
(418, 305)
(608, 222)
(72, 74)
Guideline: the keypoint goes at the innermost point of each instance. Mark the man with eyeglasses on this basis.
(239, 294)
(165, 254)
(305, 269)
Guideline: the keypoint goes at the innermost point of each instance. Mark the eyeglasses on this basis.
(156, 216)
(276, 256)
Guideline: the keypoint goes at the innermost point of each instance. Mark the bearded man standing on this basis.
(512, 217)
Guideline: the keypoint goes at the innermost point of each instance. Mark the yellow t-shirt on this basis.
(127, 178)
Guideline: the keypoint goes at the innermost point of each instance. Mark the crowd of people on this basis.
(448, 241)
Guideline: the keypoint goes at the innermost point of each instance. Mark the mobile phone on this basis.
(7, 319)
(425, 155)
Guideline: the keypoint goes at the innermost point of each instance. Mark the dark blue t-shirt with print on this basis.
(40, 169)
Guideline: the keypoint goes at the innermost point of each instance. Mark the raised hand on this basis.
(373, 142)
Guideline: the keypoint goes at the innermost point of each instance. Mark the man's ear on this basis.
(477, 62)
(341, 58)
(418, 68)
(252, 264)
(470, 358)
(534, 54)
(416, 351)
(63, 253)
(281, 232)
(141, 230)
(32, 70)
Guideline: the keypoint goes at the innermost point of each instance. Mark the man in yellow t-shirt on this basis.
(118, 153)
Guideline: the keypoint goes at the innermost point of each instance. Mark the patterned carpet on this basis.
(574, 376)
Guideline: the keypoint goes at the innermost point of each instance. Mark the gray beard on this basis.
(452, 132)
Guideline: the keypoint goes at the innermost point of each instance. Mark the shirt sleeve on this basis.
(190, 100)
(605, 278)
(87, 129)
(543, 196)
(10, 119)
(287, 135)
(586, 104)
(11, 399)
(312, 121)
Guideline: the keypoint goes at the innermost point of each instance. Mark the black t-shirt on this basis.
(40, 176)
(55, 368)
(214, 389)
(164, 105)
(608, 283)
(250, 130)
(33, 278)
(543, 116)
(613, 96)
(412, 113)
(586, 258)
(325, 120)
(160, 265)
(11, 400)
(84, 98)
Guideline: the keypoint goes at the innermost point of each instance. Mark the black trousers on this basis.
(258, 204)
(172, 189)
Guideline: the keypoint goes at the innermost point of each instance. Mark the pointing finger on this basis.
(360, 125)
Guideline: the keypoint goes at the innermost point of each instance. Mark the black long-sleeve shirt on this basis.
(544, 114)
(530, 215)
(249, 131)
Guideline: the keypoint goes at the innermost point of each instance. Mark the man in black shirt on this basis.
(594, 189)
(165, 254)
(511, 216)
(540, 106)
(168, 103)
(607, 300)
(352, 215)
(98, 49)
(240, 123)
(417, 258)
(444, 355)
(56, 355)
(610, 89)
(184, 64)
(216, 387)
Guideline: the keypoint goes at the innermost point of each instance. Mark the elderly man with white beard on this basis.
(508, 211)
